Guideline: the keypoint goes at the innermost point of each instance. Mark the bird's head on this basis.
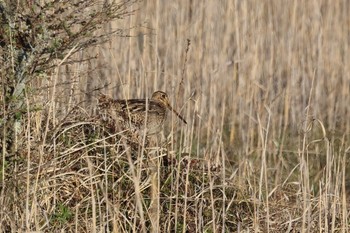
(163, 98)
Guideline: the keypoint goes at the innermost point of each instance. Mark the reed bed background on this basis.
(265, 88)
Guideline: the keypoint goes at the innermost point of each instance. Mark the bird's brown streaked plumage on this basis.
(133, 113)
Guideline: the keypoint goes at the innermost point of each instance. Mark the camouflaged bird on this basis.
(138, 114)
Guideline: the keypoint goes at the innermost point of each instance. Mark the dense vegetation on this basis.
(263, 85)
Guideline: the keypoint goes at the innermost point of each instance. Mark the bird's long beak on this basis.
(177, 114)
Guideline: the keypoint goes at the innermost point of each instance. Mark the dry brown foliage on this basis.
(263, 85)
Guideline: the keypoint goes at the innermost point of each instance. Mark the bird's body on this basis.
(139, 114)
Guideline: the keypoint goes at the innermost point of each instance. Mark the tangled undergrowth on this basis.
(87, 177)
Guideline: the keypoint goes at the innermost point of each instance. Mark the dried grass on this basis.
(265, 87)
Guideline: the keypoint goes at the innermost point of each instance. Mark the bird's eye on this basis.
(163, 96)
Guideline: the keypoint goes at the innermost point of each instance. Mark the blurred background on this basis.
(229, 66)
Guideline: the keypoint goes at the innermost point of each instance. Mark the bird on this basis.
(141, 115)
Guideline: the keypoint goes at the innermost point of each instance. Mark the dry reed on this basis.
(265, 87)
